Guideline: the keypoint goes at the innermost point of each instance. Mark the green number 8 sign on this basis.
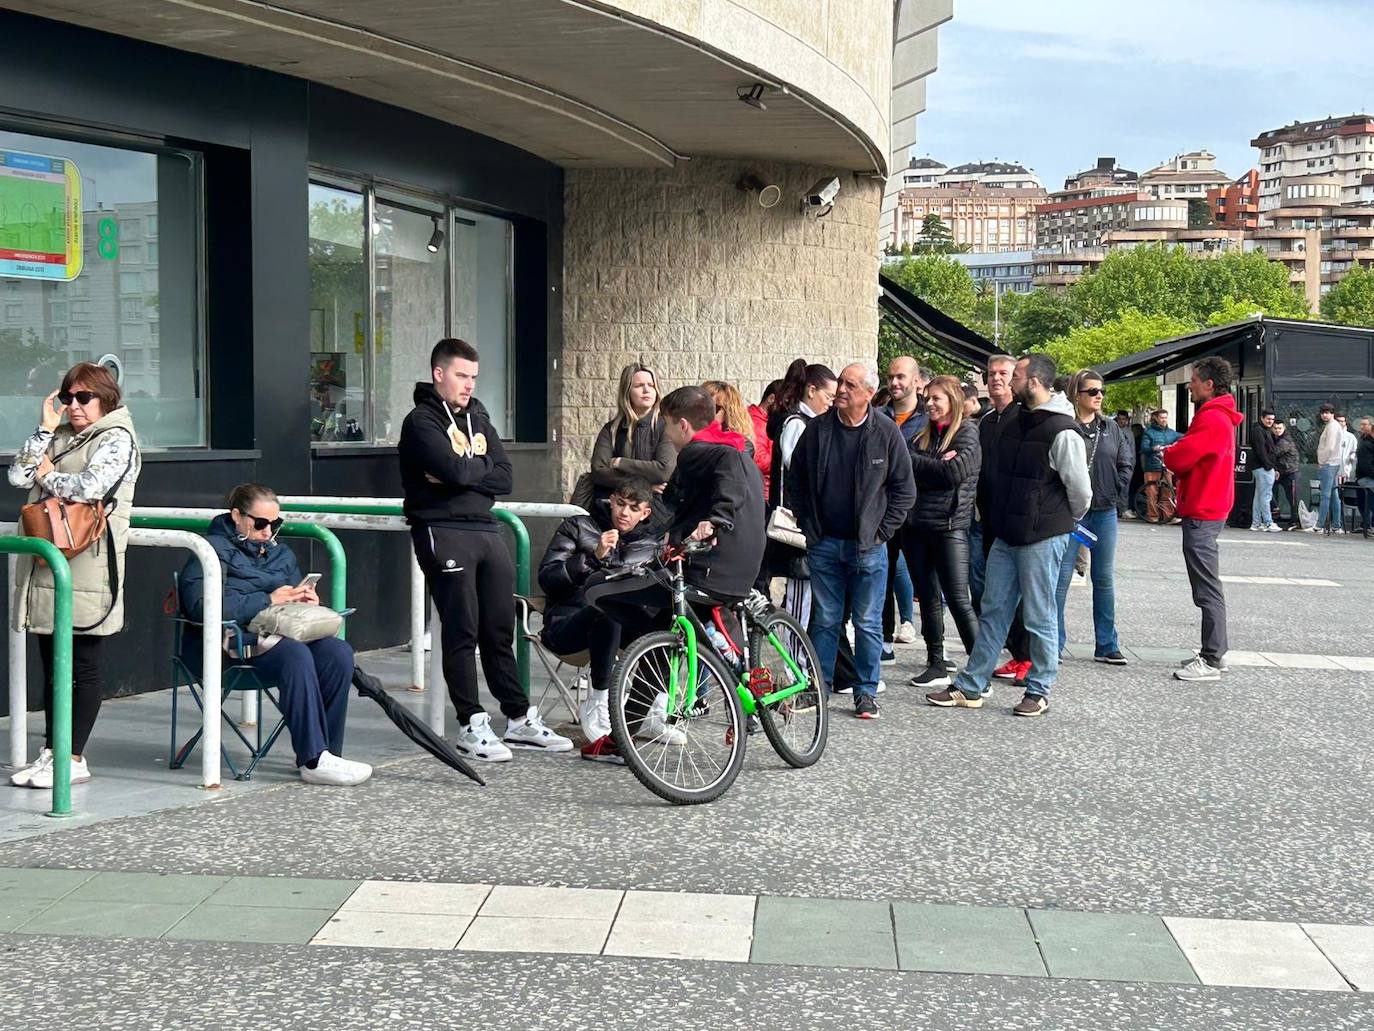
(108, 244)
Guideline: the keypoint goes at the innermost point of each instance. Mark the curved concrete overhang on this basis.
(639, 83)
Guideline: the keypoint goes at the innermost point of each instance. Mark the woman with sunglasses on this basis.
(1111, 460)
(313, 679)
(91, 456)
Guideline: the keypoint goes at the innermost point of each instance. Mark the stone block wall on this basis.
(681, 270)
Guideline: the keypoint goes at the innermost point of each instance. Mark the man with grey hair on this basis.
(1041, 489)
(851, 488)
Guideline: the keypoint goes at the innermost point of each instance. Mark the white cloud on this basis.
(1232, 34)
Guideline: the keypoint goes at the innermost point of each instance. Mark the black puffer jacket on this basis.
(570, 560)
(945, 490)
(1284, 454)
(1113, 462)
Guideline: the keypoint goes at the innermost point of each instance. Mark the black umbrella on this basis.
(370, 687)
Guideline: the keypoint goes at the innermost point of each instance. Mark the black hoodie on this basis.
(445, 482)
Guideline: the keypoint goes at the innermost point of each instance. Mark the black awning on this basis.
(931, 329)
(1170, 354)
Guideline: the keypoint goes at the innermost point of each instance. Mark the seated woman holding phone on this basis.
(313, 677)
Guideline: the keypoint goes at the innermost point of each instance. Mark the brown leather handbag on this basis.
(72, 525)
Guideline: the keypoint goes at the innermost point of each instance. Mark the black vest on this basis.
(1026, 500)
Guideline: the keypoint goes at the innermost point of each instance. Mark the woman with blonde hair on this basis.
(945, 460)
(731, 411)
(632, 444)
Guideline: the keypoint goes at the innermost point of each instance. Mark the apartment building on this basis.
(1340, 149)
(989, 206)
(1317, 235)
(1189, 176)
(1236, 205)
(1006, 272)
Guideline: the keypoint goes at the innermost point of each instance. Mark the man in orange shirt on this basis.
(906, 382)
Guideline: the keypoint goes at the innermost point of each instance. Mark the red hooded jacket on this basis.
(1204, 460)
(713, 434)
(763, 446)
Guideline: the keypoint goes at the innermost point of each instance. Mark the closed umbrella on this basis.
(370, 687)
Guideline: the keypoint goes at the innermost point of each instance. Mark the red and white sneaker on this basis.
(603, 750)
(1012, 670)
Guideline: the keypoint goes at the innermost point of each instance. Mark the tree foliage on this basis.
(936, 238)
(1351, 301)
(940, 281)
(1127, 333)
(1037, 318)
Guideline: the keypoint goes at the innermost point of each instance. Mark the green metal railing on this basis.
(61, 663)
(522, 556)
(338, 561)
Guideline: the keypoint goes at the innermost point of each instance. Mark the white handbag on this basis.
(783, 528)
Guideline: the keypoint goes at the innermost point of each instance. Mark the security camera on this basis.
(821, 197)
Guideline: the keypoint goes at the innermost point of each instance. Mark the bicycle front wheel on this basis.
(796, 726)
(685, 754)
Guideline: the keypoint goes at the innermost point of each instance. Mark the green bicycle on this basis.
(679, 708)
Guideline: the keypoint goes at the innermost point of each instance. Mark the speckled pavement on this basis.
(1134, 795)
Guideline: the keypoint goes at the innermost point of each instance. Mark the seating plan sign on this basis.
(40, 217)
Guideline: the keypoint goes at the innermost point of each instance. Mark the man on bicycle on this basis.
(1157, 436)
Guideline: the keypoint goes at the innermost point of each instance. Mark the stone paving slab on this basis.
(1252, 954)
(824, 932)
(966, 940)
(1350, 950)
(1109, 947)
(272, 926)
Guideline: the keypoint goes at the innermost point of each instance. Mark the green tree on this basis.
(1037, 318)
(1127, 333)
(940, 281)
(1351, 301)
(936, 237)
(1199, 213)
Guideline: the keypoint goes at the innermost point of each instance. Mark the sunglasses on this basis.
(83, 397)
(260, 524)
(1093, 391)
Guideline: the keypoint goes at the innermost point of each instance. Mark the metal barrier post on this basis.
(417, 626)
(19, 687)
(61, 728)
(522, 586)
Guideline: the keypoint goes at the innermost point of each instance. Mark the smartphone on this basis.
(310, 581)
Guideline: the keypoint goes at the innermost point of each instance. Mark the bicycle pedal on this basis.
(760, 681)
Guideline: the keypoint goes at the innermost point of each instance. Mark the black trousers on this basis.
(590, 629)
(88, 686)
(938, 563)
(472, 581)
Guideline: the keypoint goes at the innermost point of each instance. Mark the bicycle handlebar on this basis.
(675, 552)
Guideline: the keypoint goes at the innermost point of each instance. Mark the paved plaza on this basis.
(1148, 855)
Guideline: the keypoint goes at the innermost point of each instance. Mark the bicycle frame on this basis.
(689, 625)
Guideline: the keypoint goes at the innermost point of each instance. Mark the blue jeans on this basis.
(1102, 569)
(1330, 491)
(840, 572)
(314, 680)
(1027, 574)
(1261, 512)
(905, 591)
(977, 563)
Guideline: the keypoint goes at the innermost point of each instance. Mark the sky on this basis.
(1053, 84)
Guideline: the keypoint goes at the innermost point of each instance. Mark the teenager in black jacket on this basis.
(583, 550)
(453, 468)
(945, 462)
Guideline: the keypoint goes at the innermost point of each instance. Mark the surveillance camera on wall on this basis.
(768, 193)
(821, 197)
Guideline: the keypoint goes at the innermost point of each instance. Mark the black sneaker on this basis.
(950, 665)
(1111, 659)
(888, 654)
(934, 675)
(866, 708)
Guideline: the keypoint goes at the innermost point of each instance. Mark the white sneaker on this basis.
(336, 771)
(596, 715)
(655, 726)
(21, 778)
(531, 732)
(478, 741)
(1339, 529)
(906, 634)
(1273, 528)
(42, 778)
(1256, 528)
(1196, 670)
(882, 686)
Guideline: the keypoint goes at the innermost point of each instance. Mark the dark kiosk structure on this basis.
(1291, 366)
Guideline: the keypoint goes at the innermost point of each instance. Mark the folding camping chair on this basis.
(556, 666)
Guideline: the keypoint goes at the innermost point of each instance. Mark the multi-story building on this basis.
(1144, 221)
(989, 206)
(1076, 219)
(1341, 149)
(1006, 272)
(1236, 206)
(1318, 236)
(1105, 174)
(1189, 176)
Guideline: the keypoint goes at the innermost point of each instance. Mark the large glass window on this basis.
(391, 273)
(79, 260)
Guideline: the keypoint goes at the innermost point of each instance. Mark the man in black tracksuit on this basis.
(453, 468)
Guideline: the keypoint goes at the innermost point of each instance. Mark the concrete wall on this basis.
(681, 270)
(838, 51)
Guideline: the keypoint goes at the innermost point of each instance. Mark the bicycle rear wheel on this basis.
(687, 756)
(796, 726)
